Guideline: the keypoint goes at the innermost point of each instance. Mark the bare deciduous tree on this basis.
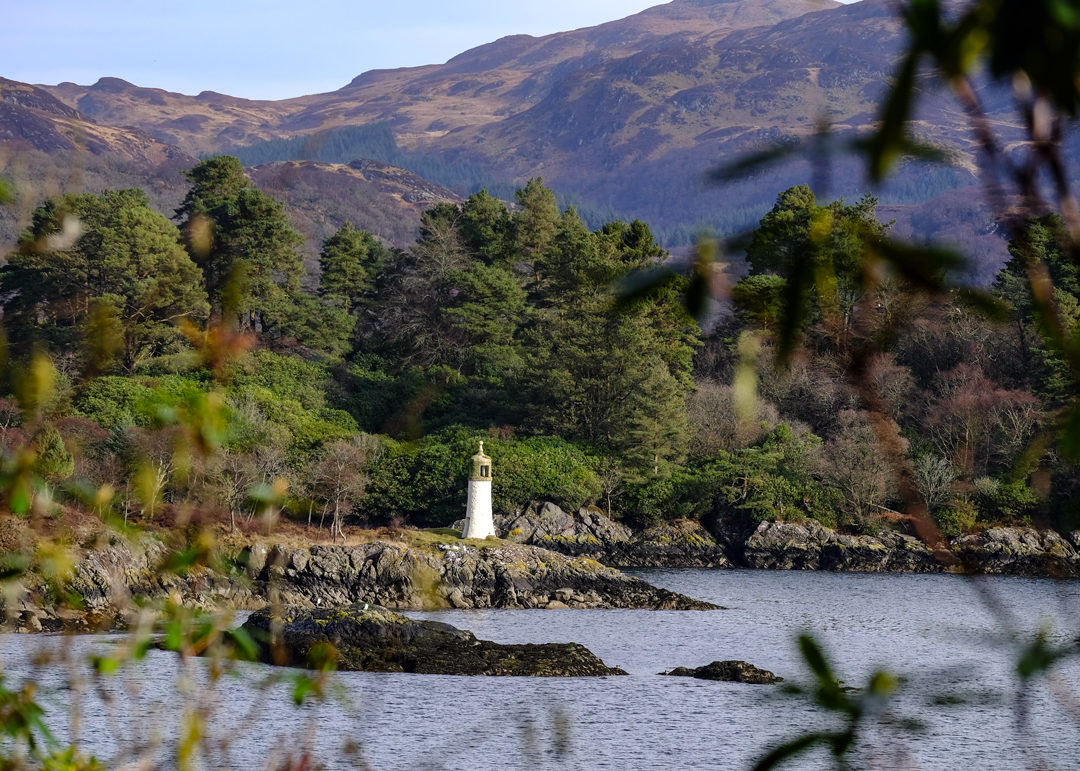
(338, 479)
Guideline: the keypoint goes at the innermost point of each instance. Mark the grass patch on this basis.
(433, 537)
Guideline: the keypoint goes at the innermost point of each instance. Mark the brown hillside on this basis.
(624, 117)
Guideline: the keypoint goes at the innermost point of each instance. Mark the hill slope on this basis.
(625, 117)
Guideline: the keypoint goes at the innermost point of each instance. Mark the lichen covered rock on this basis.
(810, 546)
(373, 639)
(459, 575)
(677, 543)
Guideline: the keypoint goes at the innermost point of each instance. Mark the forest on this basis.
(157, 364)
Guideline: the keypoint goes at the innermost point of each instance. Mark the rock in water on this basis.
(728, 671)
(369, 638)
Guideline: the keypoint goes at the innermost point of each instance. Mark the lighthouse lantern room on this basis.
(478, 518)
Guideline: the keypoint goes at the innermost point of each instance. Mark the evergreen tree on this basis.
(485, 227)
(249, 261)
(347, 266)
(53, 461)
(614, 377)
(818, 250)
(119, 273)
(535, 224)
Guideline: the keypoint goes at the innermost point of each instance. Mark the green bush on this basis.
(114, 401)
(288, 377)
(691, 492)
(1004, 501)
(53, 462)
(541, 468)
(259, 410)
(424, 482)
(956, 518)
(421, 482)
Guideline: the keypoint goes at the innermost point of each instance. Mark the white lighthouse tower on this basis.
(478, 520)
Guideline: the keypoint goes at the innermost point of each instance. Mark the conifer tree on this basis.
(118, 272)
(347, 266)
(242, 241)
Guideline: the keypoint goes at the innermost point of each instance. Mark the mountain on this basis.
(623, 119)
(321, 197)
(47, 147)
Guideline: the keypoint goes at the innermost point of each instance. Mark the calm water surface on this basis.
(938, 631)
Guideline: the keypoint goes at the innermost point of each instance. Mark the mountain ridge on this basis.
(625, 116)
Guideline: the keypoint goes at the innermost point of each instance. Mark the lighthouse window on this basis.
(485, 471)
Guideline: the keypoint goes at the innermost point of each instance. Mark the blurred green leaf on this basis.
(890, 140)
(245, 646)
(989, 305)
(752, 162)
(304, 685)
(105, 665)
(789, 750)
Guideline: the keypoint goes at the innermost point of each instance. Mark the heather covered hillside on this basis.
(623, 119)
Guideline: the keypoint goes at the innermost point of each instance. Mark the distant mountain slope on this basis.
(477, 87)
(321, 197)
(625, 117)
(48, 147)
(33, 119)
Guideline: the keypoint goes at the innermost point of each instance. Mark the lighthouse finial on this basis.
(481, 446)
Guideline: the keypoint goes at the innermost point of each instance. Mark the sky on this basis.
(265, 49)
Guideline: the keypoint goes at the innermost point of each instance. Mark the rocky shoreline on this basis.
(399, 576)
(550, 559)
(803, 545)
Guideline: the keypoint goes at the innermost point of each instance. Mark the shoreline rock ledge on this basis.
(369, 638)
(464, 574)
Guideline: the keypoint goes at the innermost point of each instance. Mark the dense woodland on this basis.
(155, 364)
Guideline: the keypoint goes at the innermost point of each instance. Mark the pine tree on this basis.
(124, 276)
(347, 266)
(243, 243)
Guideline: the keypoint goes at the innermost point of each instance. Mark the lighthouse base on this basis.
(479, 522)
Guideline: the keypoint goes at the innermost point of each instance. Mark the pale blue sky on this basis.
(266, 49)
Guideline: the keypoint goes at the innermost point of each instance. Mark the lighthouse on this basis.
(478, 521)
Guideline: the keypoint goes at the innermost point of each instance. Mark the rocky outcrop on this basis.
(804, 545)
(728, 671)
(369, 638)
(455, 574)
(1019, 551)
(810, 546)
(679, 543)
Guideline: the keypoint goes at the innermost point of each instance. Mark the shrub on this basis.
(114, 401)
(956, 518)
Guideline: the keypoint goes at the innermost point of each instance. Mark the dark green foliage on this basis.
(241, 239)
(485, 227)
(821, 252)
(423, 482)
(615, 379)
(419, 482)
(541, 468)
(112, 402)
(348, 263)
(53, 462)
(693, 492)
(508, 322)
(105, 268)
(1039, 254)
(760, 297)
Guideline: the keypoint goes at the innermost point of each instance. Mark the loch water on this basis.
(954, 640)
